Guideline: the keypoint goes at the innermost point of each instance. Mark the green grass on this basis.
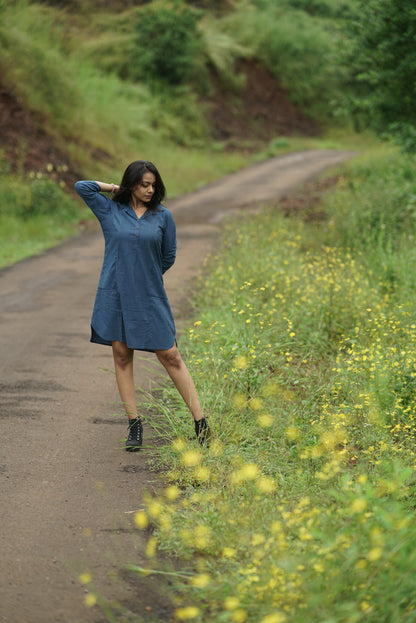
(304, 356)
(35, 214)
(20, 240)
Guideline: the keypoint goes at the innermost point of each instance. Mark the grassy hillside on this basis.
(101, 81)
(201, 88)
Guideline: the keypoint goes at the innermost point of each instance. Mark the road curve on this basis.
(68, 489)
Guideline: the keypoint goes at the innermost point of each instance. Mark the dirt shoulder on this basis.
(69, 490)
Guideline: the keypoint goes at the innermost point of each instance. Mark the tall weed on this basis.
(373, 211)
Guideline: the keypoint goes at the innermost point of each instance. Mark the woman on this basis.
(131, 310)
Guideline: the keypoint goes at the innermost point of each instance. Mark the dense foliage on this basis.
(167, 45)
(382, 60)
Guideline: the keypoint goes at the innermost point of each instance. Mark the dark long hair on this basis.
(132, 176)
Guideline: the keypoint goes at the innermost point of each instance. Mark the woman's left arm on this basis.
(168, 242)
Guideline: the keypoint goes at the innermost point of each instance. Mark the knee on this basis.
(123, 356)
(170, 358)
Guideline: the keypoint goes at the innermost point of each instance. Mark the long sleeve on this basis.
(90, 192)
(168, 243)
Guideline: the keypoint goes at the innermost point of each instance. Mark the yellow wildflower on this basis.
(361, 564)
(190, 458)
(239, 401)
(155, 508)
(358, 505)
(374, 554)
(172, 492)
(201, 580)
(185, 614)
(265, 420)
(141, 520)
(257, 539)
(151, 547)
(202, 473)
(231, 603)
(90, 600)
(202, 535)
(292, 433)
(256, 404)
(249, 471)
(215, 448)
(265, 484)
(240, 362)
(276, 526)
(85, 578)
(178, 444)
(276, 617)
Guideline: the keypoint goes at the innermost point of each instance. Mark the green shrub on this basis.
(26, 198)
(381, 57)
(376, 206)
(167, 44)
(48, 198)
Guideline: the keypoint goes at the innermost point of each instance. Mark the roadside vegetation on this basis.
(302, 507)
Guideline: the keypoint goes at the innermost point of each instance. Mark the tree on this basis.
(382, 59)
(167, 44)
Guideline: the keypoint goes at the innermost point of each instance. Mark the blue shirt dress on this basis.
(131, 304)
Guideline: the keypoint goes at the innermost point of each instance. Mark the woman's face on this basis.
(144, 190)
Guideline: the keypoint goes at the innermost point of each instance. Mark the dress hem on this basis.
(97, 339)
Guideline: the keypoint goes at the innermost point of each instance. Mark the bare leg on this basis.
(123, 364)
(178, 372)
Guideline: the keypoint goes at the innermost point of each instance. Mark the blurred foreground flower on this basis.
(141, 520)
(186, 614)
(240, 362)
(358, 505)
(85, 578)
(265, 420)
(200, 581)
(90, 600)
(277, 617)
(292, 433)
(191, 458)
(266, 484)
(172, 493)
(231, 603)
(249, 471)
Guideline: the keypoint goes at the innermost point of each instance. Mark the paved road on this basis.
(68, 489)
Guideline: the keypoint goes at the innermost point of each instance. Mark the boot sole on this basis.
(133, 448)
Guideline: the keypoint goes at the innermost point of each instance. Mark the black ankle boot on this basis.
(202, 432)
(135, 438)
